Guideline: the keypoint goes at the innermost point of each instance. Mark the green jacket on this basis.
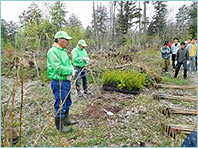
(58, 64)
(77, 57)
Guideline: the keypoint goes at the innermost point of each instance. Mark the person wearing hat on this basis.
(60, 71)
(182, 58)
(165, 52)
(80, 60)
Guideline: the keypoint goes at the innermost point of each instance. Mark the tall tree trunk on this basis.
(95, 25)
(113, 29)
(139, 36)
(145, 31)
(127, 16)
(98, 34)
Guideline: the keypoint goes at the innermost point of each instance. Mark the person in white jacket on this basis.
(175, 47)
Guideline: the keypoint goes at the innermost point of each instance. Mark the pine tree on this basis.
(158, 23)
(32, 15)
(8, 31)
(145, 22)
(193, 20)
(89, 32)
(99, 23)
(74, 21)
(126, 18)
(182, 18)
(4, 30)
(58, 14)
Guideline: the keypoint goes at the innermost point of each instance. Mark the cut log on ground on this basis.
(179, 98)
(174, 86)
(173, 129)
(167, 111)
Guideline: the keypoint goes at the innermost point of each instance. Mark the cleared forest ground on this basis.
(136, 120)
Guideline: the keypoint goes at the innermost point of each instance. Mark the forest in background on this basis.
(123, 45)
(123, 24)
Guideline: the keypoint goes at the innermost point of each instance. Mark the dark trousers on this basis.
(61, 91)
(173, 60)
(178, 66)
(191, 140)
(83, 76)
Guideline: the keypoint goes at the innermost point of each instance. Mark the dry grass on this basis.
(136, 123)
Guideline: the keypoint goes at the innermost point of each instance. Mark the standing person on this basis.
(188, 48)
(169, 44)
(80, 60)
(196, 56)
(188, 45)
(192, 55)
(165, 52)
(196, 60)
(60, 71)
(174, 48)
(182, 58)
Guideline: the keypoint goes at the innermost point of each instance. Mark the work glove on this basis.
(175, 62)
(73, 73)
(188, 62)
(86, 59)
(69, 77)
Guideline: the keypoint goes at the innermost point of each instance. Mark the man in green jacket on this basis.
(80, 60)
(60, 71)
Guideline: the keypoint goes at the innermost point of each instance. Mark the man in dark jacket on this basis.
(182, 58)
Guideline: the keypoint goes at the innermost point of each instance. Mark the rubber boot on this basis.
(86, 91)
(78, 91)
(67, 121)
(59, 122)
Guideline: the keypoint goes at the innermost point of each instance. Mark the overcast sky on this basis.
(10, 10)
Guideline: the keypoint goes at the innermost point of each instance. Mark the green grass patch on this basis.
(168, 79)
(165, 143)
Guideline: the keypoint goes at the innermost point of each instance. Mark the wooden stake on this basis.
(170, 110)
(174, 86)
(179, 98)
(173, 129)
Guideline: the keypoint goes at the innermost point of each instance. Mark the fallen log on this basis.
(170, 110)
(174, 86)
(173, 129)
(179, 98)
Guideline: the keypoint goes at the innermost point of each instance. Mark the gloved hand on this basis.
(188, 62)
(69, 77)
(86, 59)
(175, 62)
(73, 73)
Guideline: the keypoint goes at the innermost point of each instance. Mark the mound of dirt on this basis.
(97, 110)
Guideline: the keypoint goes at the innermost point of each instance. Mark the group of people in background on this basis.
(184, 53)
